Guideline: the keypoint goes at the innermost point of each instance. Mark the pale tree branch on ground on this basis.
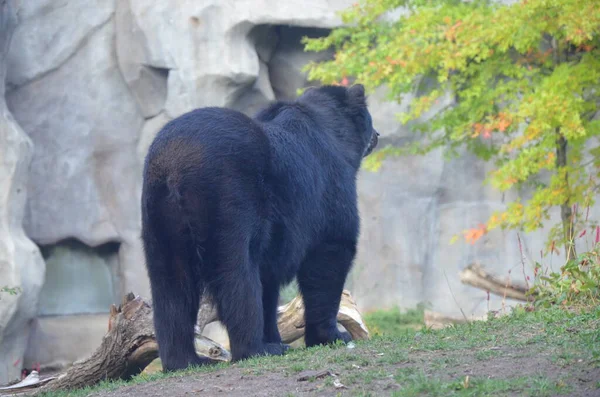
(476, 276)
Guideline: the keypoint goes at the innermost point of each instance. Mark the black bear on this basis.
(240, 206)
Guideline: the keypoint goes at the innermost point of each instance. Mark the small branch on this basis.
(477, 277)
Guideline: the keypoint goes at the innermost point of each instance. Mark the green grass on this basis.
(427, 362)
(415, 384)
(393, 321)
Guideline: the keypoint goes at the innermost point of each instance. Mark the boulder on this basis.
(85, 175)
(21, 263)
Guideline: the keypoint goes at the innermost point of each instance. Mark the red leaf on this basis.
(472, 235)
(582, 233)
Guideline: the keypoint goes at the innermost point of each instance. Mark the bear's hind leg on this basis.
(270, 301)
(175, 302)
(321, 279)
(237, 291)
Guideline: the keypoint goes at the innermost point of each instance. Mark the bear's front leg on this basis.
(321, 279)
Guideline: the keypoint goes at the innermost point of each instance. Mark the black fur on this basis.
(241, 206)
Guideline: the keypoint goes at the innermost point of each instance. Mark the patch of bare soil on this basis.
(369, 372)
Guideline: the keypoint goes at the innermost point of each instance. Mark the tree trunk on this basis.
(566, 214)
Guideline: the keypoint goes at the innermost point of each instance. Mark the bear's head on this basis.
(345, 109)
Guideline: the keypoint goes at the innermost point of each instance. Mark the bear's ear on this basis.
(357, 93)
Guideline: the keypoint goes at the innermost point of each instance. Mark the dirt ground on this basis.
(549, 352)
(517, 371)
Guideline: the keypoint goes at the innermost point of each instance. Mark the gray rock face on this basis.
(50, 32)
(288, 60)
(207, 48)
(411, 208)
(84, 180)
(147, 84)
(21, 264)
(58, 341)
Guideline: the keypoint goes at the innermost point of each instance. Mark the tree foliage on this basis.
(524, 83)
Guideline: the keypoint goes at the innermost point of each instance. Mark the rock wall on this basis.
(21, 264)
(92, 82)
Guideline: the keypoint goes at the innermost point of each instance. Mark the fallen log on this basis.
(477, 277)
(128, 347)
(291, 319)
(130, 344)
